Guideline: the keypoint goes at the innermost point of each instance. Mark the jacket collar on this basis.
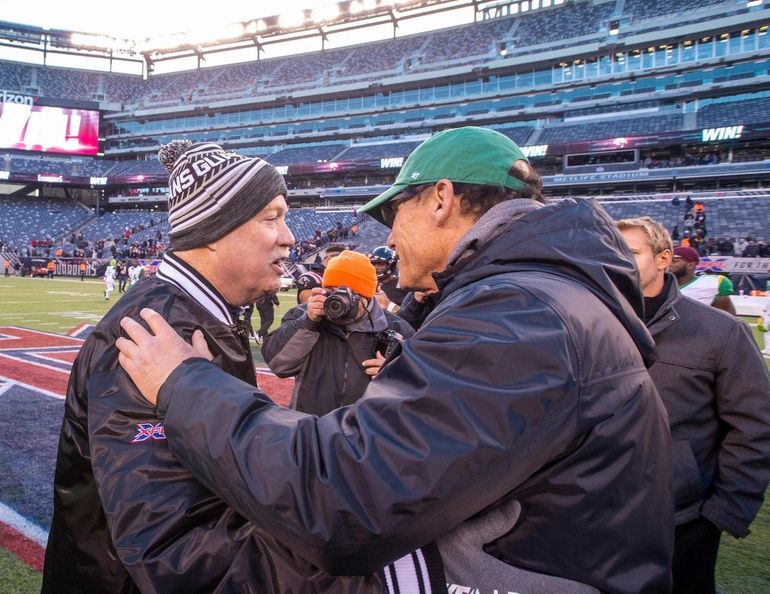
(179, 273)
(667, 312)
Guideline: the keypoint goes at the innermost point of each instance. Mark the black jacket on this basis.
(128, 517)
(526, 381)
(716, 388)
(326, 357)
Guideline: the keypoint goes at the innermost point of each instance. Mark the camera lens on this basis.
(335, 307)
(341, 307)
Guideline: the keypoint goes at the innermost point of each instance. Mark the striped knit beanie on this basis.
(213, 192)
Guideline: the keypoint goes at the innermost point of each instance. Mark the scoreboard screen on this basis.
(49, 129)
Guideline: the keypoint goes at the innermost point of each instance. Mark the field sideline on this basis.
(62, 309)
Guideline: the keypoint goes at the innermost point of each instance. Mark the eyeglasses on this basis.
(389, 208)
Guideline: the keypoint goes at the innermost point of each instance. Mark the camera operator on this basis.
(334, 343)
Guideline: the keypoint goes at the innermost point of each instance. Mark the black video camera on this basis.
(341, 306)
(386, 341)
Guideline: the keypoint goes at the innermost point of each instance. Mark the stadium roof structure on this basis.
(339, 17)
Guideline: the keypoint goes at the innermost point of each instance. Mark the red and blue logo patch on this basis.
(149, 431)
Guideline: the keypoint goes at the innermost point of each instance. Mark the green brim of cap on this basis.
(372, 208)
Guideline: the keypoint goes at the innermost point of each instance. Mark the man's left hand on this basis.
(149, 359)
(372, 366)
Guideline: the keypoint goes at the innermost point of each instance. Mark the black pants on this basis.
(696, 545)
(266, 317)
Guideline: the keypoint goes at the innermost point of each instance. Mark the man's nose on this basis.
(286, 237)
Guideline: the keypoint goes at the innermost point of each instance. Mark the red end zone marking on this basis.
(28, 551)
(77, 329)
(66, 356)
(12, 337)
(278, 389)
(29, 374)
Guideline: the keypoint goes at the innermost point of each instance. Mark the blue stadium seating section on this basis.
(726, 216)
(751, 110)
(305, 221)
(367, 152)
(641, 126)
(25, 219)
(307, 154)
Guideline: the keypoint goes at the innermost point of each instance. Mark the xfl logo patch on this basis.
(148, 430)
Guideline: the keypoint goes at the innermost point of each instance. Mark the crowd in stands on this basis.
(136, 233)
(27, 223)
(548, 26)
(695, 234)
(643, 9)
(338, 233)
(686, 160)
(390, 56)
(733, 216)
(468, 42)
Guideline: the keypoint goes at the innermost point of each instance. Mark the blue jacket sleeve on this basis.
(425, 447)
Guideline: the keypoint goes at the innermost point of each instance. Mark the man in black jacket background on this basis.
(716, 389)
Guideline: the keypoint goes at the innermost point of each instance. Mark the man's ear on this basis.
(664, 259)
(444, 202)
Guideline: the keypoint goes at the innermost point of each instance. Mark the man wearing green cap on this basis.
(518, 429)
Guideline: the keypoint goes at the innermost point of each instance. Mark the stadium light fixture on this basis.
(325, 13)
(356, 7)
(753, 3)
(291, 18)
(614, 28)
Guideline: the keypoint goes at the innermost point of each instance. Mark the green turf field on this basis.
(59, 304)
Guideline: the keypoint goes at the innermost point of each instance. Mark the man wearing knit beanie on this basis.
(151, 526)
(212, 191)
(333, 344)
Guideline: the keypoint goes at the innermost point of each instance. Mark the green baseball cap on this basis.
(469, 155)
